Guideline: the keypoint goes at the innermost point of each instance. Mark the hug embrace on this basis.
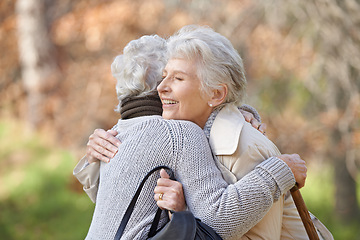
(181, 106)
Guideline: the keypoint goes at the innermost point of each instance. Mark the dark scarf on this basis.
(149, 105)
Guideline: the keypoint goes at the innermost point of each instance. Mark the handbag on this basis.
(182, 226)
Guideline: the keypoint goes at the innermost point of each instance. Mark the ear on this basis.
(218, 95)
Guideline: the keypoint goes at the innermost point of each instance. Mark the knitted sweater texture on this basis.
(151, 141)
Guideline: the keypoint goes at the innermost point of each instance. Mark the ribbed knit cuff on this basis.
(252, 110)
(280, 172)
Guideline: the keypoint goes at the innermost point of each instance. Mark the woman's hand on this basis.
(102, 145)
(169, 193)
(297, 166)
(249, 117)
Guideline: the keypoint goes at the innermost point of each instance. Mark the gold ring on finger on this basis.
(161, 196)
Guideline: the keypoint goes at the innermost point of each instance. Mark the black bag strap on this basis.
(155, 223)
(156, 220)
(131, 206)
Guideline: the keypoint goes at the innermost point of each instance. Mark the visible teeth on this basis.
(169, 101)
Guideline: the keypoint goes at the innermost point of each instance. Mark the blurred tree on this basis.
(37, 57)
(332, 29)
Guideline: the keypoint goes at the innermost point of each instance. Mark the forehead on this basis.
(181, 65)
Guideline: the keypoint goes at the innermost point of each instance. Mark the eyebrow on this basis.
(177, 71)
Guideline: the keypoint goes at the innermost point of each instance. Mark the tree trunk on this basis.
(36, 56)
(346, 205)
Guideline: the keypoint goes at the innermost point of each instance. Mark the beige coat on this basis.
(239, 148)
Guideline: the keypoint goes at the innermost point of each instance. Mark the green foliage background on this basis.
(37, 196)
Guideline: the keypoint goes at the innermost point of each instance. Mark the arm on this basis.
(175, 200)
(88, 176)
(230, 209)
(102, 145)
(235, 210)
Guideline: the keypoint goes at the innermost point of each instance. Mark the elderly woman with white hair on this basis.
(148, 141)
(204, 82)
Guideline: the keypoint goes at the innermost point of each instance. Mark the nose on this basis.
(163, 86)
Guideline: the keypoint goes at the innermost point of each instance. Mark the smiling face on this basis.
(180, 93)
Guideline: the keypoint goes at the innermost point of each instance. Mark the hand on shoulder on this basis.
(102, 145)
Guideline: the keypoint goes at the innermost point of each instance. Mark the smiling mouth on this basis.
(169, 102)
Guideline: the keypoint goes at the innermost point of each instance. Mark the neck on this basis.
(149, 105)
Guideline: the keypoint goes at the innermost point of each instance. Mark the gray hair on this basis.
(217, 60)
(138, 70)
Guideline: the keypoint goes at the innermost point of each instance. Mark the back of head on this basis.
(217, 60)
(138, 70)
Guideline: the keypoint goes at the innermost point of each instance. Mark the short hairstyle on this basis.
(217, 60)
(138, 70)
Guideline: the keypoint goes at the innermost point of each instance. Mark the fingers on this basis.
(255, 123)
(170, 201)
(98, 149)
(302, 178)
(112, 138)
(102, 145)
(93, 156)
(262, 128)
(112, 132)
(297, 166)
(169, 193)
(161, 190)
(106, 139)
(164, 174)
(168, 183)
(249, 117)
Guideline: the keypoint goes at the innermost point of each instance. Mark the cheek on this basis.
(193, 106)
(191, 102)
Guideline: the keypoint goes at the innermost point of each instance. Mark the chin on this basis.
(167, 116)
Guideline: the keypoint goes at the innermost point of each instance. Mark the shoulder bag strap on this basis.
(156, 220)
(131, 206)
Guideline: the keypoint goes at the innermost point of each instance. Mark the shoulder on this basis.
(179, 131)
(253, 135)
(251, 139)
(185, 129)
(187, 138)
(189, 145)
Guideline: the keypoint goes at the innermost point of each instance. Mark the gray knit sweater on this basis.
(151, 141)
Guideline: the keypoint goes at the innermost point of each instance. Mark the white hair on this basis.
(138, 70)
(217, 60)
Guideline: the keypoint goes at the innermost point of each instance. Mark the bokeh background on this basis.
(303, 68)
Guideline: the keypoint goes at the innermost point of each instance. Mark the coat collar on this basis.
(226, 129)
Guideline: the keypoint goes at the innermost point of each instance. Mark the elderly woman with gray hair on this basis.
(204, 63)
(149, 140)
